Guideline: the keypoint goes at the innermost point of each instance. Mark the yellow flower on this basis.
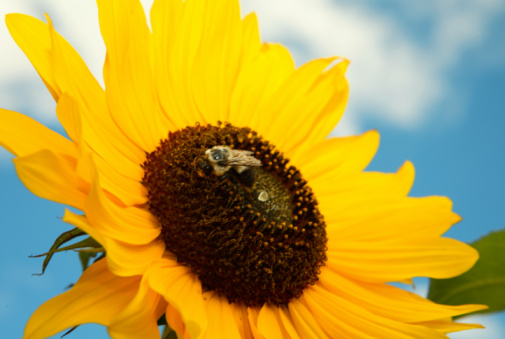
(303, 249)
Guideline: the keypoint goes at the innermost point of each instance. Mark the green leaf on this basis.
(482, 284)
(89, 245)
(63, 238)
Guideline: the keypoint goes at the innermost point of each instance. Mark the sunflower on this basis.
(205, 172)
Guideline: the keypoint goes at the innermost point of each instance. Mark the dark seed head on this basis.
(253, 237)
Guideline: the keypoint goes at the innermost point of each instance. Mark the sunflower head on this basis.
(251, 233)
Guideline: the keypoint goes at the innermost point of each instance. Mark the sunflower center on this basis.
(233, 210)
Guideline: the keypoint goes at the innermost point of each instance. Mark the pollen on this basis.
(253, 235)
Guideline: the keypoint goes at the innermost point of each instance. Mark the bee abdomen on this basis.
(245, 175)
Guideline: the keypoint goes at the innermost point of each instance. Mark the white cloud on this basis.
(26, 93)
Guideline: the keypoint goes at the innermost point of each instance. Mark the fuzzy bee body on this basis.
(226, 160)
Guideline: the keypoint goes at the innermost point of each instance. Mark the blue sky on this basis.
(430, 76)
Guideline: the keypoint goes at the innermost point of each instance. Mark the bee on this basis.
(241, 162)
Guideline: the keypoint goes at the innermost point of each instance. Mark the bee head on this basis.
(218, 155)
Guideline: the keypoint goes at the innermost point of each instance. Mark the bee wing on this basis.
(242, 158)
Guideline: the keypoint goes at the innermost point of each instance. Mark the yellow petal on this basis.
(122, 181)
(216, 63)
(73, 79)
(69, 114)
(293, 90)
(389, 301)
(296, 104)
(448, 326)
(36, 44)
(129, 83)
(22, 136)
(98, 129)
(370, 218)
(174, 320)
(253, 314)
(271, 324)
(183, 291)
(239, 311)
(330, 115)
(81, 222)
(139, 319)
(310, 118)
(287, 322)
(63, 71)
(123, 259)
(49, 176)
(221, 322)
(368, 185)
(333, 158)
(126, 259)
(122, 178)
(257, 81)
(181, 56)
(400, 259)
(304, 321)
(128, 189)
(251, 42)
(98, 297)
(342, 319)
(165, 17)
(132, 225)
